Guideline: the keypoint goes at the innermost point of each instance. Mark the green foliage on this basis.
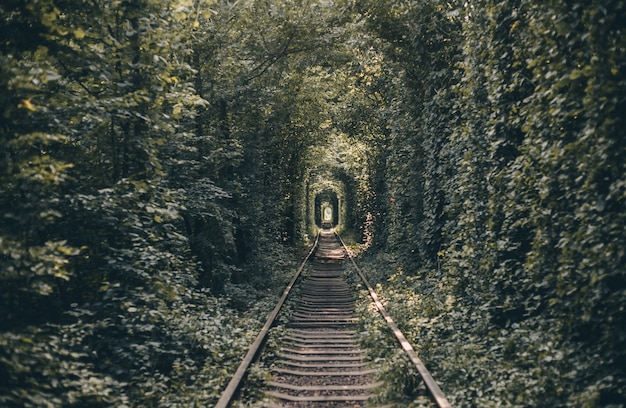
(122, 187)
(158, 355)
(506, 167)
(155, 154)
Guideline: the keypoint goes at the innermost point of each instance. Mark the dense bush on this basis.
(507, 172)
(134, 178)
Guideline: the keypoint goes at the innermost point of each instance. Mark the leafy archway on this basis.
(326, 208)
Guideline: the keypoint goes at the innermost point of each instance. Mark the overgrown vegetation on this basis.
(139, 238)
(160, 156)
(505, 236)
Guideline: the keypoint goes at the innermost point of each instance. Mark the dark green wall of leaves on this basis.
(507, 167)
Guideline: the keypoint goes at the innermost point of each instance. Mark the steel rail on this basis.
(235, 382)
(432, 386)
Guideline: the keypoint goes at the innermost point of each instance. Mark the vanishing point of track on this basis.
(320, 363)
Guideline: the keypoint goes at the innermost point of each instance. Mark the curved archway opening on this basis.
(327, 204)
(335, 187)
(326, 209)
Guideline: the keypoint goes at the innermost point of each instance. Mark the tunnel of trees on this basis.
(163, 162)
(326, 208)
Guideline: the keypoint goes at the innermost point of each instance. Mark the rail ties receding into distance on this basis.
(320, 362)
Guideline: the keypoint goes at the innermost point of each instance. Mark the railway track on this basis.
(320, 363)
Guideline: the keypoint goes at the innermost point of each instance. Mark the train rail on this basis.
(320, 363)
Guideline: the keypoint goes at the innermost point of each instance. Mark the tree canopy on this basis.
(161, 160)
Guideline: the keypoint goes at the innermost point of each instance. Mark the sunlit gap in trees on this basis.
(326, 206)
(327, 212)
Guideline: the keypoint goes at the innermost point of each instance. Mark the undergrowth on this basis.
(475, 362)
(399, 379)
(176, 347)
